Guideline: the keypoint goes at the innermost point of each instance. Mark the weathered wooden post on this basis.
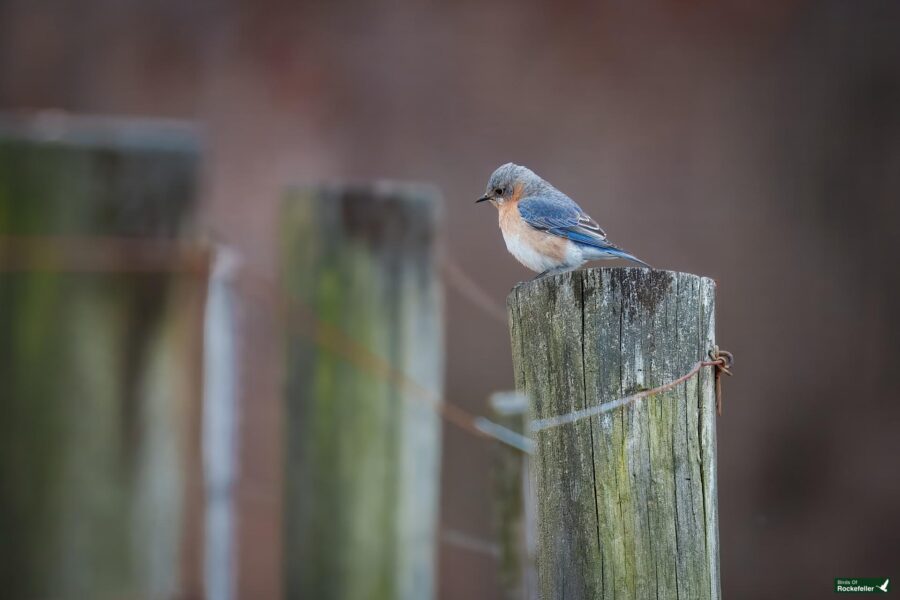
(364, 369)
(100, 329)
(626, 499)
(513, 500)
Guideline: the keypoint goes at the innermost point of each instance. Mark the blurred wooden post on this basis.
(99, 357)
(626, 500)
(364, 373)
(513, 501)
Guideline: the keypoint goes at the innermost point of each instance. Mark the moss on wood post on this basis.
(626, 500)
(364, 361)
(99, 370)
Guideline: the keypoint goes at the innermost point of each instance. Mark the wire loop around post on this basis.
(723, 360)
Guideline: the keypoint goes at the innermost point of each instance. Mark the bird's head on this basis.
(509, 182)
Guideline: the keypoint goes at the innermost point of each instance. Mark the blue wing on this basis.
(560, 215)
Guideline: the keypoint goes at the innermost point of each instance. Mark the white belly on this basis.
(538, 261)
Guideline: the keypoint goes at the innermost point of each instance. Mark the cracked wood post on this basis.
(627, 501)
(364, 370)
(99, 358)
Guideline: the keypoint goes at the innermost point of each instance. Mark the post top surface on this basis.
(637, 274)
(100, 132)
(410, 191)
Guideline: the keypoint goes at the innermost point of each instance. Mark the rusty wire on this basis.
(299, 317)
(132, 255)
(102, 255)
(135, 256)
(466, 287)
(722, 360)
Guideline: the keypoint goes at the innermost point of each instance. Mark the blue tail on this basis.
(616, 252)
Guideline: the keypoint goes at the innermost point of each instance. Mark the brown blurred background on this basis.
(754, 142)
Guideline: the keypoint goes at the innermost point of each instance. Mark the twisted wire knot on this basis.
(723, 361)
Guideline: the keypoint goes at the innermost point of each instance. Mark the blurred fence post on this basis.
(626, 500)
(221, 386)
(100, 329)
(513, 501)
(364, 375)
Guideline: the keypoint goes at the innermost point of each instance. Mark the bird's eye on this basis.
(498, 191)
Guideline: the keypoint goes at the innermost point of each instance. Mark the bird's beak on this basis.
(482, 199)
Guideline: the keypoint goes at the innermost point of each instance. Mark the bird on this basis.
(544, 229)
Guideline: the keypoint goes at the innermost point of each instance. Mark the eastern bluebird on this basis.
(543, 228)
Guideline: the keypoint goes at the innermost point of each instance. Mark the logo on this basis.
(861, 585)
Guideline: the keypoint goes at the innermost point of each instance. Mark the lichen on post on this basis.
(99, 358)
(364, 371)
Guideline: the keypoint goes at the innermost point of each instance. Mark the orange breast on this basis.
(520, 235)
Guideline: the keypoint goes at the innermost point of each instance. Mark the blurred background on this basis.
(757, 143)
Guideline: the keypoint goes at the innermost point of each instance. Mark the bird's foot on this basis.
(554, 271)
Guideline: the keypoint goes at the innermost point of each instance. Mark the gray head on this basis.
(511, 181)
